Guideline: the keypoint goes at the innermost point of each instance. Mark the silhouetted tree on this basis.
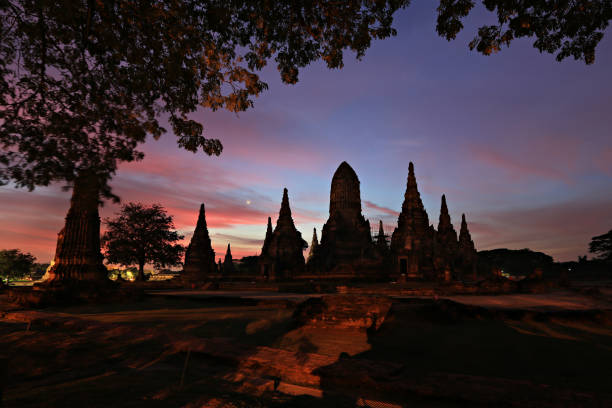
(514, 261)
(602, 246)
(141, 235)
(83, 83)
(15, 264)
(566, 27)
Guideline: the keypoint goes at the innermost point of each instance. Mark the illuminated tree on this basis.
(141, 235)
(15, 264)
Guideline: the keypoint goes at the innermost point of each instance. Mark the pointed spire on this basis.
(412, 197)
(201, 217)
(268, 238)
(381, 238)
(199, 256)
(201, 229)
(445, 220)
(285, 211)
(314, 244)
(228, 262)
(284, 215)
(411, 178)
(413, 211)
(269, 230)
(465, 239)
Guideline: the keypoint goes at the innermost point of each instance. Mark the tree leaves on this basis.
(15, 264)
(85, 82)
(602, 246)
(565, 27)
(140, 235)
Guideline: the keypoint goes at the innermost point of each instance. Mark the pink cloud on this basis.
(517, 168)
(384, 210)
(561, 230)
(603, 161)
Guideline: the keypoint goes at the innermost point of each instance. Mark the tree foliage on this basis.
(141, 235)
(15, 264)
(602, 246)
(515, 261)
(84, 82)
(565, 27)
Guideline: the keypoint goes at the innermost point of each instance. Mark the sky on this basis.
(520, 143)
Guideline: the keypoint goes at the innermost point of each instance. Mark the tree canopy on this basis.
(84, 82)
(15, 264)
(565, 27)
(602, 246)
(516, 261)
(140, 235)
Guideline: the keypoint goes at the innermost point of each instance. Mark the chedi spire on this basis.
(285, 211)
(314, 245)
(346, 236)
(444, 222)
(413, 240)
(282, 254)
(199, 257)
(465, 238)
(266, 243)
(412, 208)
(228, 262)
(381, 238)
(412, 197)
(467, 252)
(345, 196)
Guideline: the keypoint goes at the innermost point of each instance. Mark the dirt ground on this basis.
(197, 350)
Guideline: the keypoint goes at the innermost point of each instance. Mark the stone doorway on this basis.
(403, 266)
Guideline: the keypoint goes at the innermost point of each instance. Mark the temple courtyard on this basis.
(264, 348)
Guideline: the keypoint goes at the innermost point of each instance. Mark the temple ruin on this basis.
(412, 242)
(282, 255)
(77, 254)
(346, 243)
(228, 262)
(347, 250)
(199, 256)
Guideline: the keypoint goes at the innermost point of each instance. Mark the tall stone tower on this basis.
(412, 241)
(281, 256)
(345, 239)
(446, 246)
(199, 257)
(467, 261)
(381, 242)
(77, 254)
(268, 238)
(314, 245)
(228, 262)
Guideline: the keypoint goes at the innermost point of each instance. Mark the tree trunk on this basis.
(141, 276)
(77, 255)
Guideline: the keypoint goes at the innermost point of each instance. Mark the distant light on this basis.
(248, 202)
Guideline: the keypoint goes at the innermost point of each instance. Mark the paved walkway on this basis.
(558, 300)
